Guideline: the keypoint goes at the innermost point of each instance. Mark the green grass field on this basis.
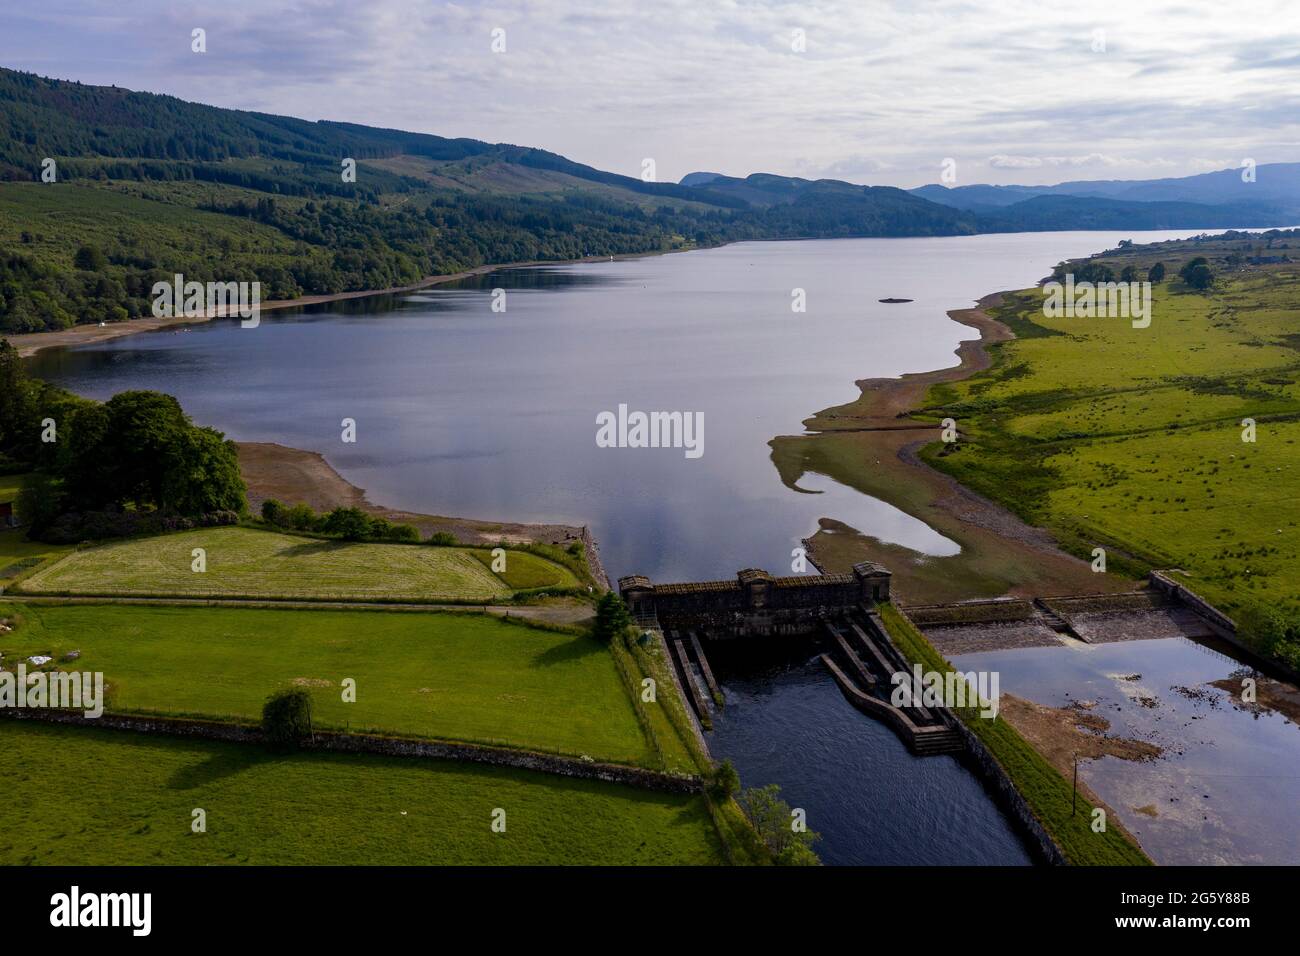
(97, 797)
(1132, 439)
(246, 562)
(439, 675)
(17, 554)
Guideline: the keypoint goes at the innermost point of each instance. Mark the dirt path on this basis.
(871, 444)
(294, 476)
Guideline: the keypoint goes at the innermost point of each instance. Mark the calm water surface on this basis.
(464, 411)
(1227, 787)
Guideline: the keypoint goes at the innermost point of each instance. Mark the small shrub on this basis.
(442, 539)
(612, 618)
(286, 718)
(273, 511)
(726, 781)
(300, 518)
(350, 524)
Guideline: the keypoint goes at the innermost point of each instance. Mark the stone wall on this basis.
(331, 742)
(1182, 593)
(1013, 804)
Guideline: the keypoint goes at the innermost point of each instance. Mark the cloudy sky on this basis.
(1016, 91)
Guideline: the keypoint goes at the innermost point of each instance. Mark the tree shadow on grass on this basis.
(315, 547)
(226, 762)
(568, 652)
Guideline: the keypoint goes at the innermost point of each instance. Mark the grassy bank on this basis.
(247, 562)
(1131, 439)
(1048, 794)
(444, 676)
(95, 797)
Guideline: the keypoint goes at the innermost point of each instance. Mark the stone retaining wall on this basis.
(996, 779)
(1186, 595)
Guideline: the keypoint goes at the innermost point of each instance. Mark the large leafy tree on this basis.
(203, 474)
(143, 440)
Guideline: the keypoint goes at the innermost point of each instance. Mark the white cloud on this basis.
(883, 93)
(1003, 161)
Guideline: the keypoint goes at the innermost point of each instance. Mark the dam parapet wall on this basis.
(755, 603)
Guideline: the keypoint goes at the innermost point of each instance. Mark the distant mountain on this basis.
(697, 179)
(1273, 181)
(977, 197)
(829, 207)
(148, 186)
(1041, 208)
(1275, 191)
(71, 120)
(1094, 212)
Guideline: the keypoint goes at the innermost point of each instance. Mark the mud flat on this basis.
(871, 443)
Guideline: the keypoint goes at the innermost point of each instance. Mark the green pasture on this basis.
(78, 797)
(422, 674)
(247, 562)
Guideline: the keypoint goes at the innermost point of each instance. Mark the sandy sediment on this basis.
(1063, 734)
(294, 476)
(871, 444)
(1270, 695)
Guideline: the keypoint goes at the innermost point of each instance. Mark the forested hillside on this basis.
(104, 192)
(147, 186)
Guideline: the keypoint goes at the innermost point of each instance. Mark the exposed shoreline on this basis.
(29, 343)
(871, 445)
(296, 476)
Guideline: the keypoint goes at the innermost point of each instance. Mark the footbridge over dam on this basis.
(837, 610)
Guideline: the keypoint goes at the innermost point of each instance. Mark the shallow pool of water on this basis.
(1227, 788)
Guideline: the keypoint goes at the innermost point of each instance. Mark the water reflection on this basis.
(1226, 790)
(872, 802)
